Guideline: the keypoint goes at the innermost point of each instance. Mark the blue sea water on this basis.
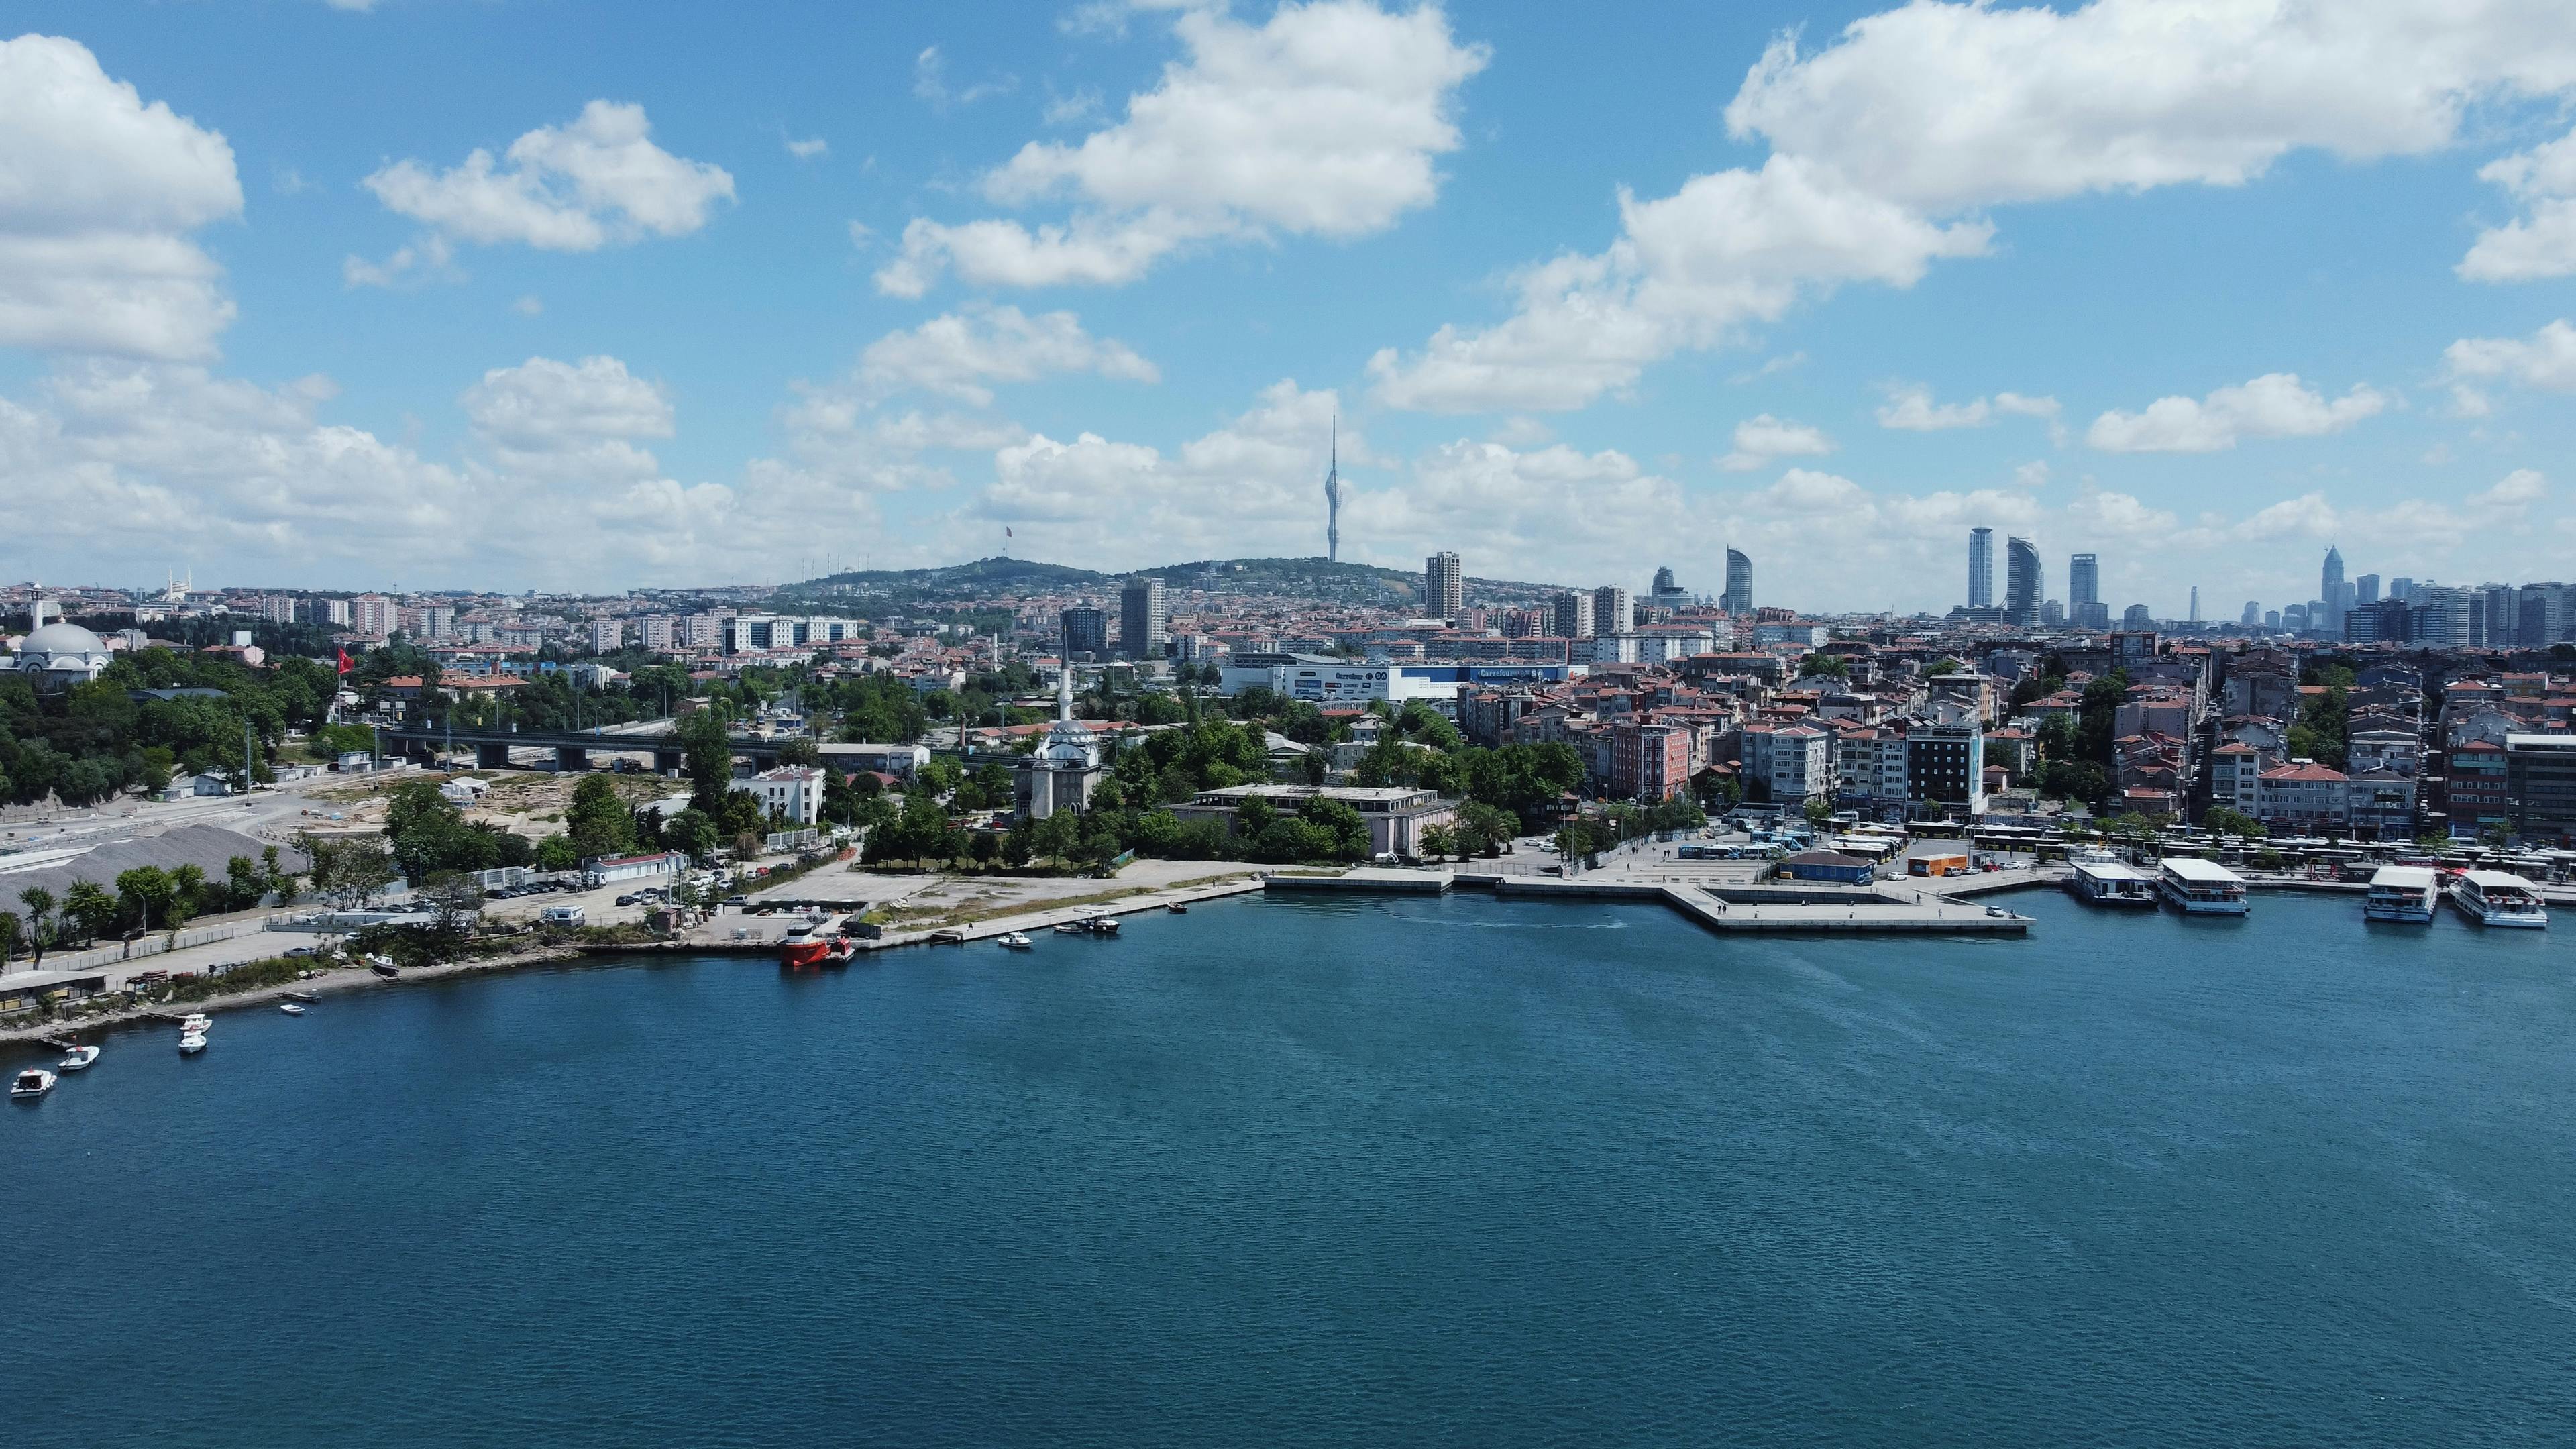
(1386, 1171)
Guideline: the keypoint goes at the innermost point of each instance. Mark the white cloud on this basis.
(1072, 109)
(597, 181)
(958, 354)
(530, 305)
(430, 258)
(809, 148)
(2275, 405)
(575, 422)
(2541, 242)
(355, 7)
(1889, 144)
(1323, 121)
(930, 83)
(1691, 270)
(1761, 440)
(98, 194)
(2516, 490)
(2546, 360)
(2033, 474)
(1910, 408)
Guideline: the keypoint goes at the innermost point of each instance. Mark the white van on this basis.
(562, 916)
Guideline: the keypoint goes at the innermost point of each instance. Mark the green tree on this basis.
(144, 895)
(187, 895)
(1341, 833)
(90, 906)
(1818, 810)
(597, 820)
(557, 853)
(242, 885)
(1437, 842)
(40, 919)
(707, 748)
(11, 934)
(2222, 821)
(692, 831)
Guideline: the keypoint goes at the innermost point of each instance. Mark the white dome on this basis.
(61, 638)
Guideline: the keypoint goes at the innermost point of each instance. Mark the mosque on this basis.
(60, 654)
(1062, 771)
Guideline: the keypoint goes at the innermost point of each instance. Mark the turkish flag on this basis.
(345, 665)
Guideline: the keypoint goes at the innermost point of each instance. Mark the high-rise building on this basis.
(1668, 590)
(2025, 582)
(335, 611)
(2365, 591)
(278, 608)
(2541, 617)
(607, 636)
(2440, 617)
(1739, 584)
(1444, 588)
(2083, 580)
(438, 621)
(2052, 615)
(372, 615)
(2253, 616)
(2195, 604)
(2331, 591)
(2137, 616)
(2402, 589)
(661, 632)
(1086, 632)
(1981, 568)
(1143, 622)
(1611, 613)
(1574, 616)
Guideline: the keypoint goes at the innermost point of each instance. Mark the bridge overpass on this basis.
(572, 748)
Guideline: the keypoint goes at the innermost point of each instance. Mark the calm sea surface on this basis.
(1395, 1171)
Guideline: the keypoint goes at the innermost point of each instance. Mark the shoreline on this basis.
(337, 979)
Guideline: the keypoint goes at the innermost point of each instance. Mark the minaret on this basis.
(1333, 497)
(1064, 684)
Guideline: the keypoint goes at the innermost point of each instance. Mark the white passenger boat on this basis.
(2109, 883)
(2493, 898)
(191, 1044)
(2200, 887)
(1017, 942)
(32, 1083)
(2404, 893)
(194, 1024)
(79, 1060)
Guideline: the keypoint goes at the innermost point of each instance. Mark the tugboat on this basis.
(802, 948)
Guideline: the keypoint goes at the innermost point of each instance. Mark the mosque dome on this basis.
(61, 638)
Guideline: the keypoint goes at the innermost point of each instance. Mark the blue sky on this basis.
(2199, 286)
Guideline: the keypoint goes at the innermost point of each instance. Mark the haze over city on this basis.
(1831, 285)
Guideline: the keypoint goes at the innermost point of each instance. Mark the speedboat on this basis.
(1071, 928)
(1017, 942)
(1177, 908)
(191, 1044)
(1102, 925)
(291, 1008)
(79, 1060)
(32, 1083)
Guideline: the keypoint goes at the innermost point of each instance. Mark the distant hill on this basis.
(1309, 578)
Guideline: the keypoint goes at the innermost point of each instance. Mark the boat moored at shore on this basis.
(79, 1059)
(2493, 898)
(2109, 883)
(2201, 887)
(30, 1084)
(2402, 893)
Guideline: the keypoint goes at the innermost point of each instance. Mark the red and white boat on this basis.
(809, 944)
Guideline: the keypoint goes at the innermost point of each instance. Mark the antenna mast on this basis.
(1333, 497)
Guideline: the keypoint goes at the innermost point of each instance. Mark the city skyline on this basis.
(1005, 296)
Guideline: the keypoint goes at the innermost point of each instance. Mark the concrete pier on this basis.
(1783, 908)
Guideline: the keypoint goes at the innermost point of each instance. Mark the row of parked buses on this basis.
(2398, 893)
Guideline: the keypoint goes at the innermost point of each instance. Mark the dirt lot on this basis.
(526, 802)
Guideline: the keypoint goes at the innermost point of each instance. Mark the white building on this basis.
(794, 792)
(607, 636)
(1794, 760)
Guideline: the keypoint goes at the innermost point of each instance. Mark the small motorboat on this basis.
(1017, 942)
(1102, 925)
(384, 968)
(1178, 908)
(292, 1008)
(32, 1083)
(79, 1060)
(1071, 928)
(307, 997)
(191, 1044)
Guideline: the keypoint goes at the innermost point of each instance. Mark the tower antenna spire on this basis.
(1333, 497)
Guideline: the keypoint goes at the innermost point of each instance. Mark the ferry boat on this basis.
(2200, 887)
(2404, 893)
(32, 1083)
(2493, 898)
(79, 1060)
(2109, 883)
